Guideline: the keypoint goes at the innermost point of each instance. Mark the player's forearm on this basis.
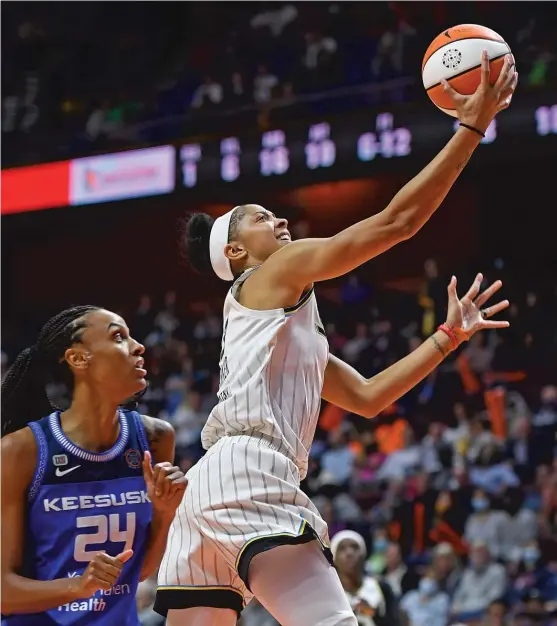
(24, 595)
(391, 384)
(160, 526)
(416, 202)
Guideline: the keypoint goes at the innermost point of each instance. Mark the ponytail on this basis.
(195, 237)
(24, 396)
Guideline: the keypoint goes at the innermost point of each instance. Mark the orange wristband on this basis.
(445, 328)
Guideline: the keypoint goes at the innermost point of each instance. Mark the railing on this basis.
(199, 121)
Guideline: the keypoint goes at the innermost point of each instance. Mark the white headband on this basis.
(217, 243)
(347, 534)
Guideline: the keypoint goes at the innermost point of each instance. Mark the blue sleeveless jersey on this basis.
(81, 503)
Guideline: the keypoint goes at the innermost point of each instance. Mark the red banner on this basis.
(36, 187)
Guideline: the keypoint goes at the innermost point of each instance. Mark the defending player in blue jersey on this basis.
(85, 516)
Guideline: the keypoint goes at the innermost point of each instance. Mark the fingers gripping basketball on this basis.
(455, 55)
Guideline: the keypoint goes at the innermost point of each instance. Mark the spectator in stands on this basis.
(319, 49)
(235, 93)
(328, 511)
(480, 438)
(354, 347)
(372, 600)
(378, 560)
(479, 352)
(263, 85)
(402, 463)
(531, 610)
(144, 317)
(521, 525)
(319, 60)
(542, 67)
(337, 463)
(188, 420)
(495, 614)
(461, 430)
(393, 45)
(166, 320)
(446, 568)
(492, 472)
(534, 573)
(396, 573)
(545, 424)
(431, 297)
(208, 94)
(521, 450)
(426, 606)
(436, 452)
(98, 123)
(485, 524)
(482, 582)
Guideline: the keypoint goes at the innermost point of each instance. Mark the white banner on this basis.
(123, 175)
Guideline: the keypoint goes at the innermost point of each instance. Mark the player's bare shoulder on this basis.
(19, 458)
(160, 436)
(274, 284)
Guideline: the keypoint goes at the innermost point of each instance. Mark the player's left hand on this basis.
(468, 315)
(166, 485)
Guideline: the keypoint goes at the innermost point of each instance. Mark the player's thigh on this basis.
(201, 616)
(297, 585)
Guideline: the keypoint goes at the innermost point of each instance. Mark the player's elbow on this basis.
(369, 400)
(7, 607)
(404, 224)
(368, 411)
(364, 405)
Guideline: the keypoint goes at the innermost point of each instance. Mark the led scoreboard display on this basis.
(353, 144)
(298, 153)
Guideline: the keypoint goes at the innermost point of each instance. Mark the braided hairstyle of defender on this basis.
(24, 395)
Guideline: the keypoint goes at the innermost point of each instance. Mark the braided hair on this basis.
(24, 396)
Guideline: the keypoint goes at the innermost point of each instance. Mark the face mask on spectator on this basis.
(428, 587)
(530, 555)
(480, 504)
(380, 544)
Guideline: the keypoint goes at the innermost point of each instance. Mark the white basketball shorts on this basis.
(243, 498)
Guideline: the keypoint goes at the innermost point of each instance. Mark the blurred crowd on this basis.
(97, 76)
(443, 509)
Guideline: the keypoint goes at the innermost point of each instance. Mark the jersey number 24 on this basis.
(107, 529)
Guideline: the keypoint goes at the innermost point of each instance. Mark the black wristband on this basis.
(472, 128)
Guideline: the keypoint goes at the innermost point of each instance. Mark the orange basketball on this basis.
(456, 55)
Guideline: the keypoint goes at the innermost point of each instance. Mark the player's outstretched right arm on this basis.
(346, 388)
(24, 595)
(308, 260)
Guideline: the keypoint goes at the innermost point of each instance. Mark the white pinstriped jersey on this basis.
(272, 369)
